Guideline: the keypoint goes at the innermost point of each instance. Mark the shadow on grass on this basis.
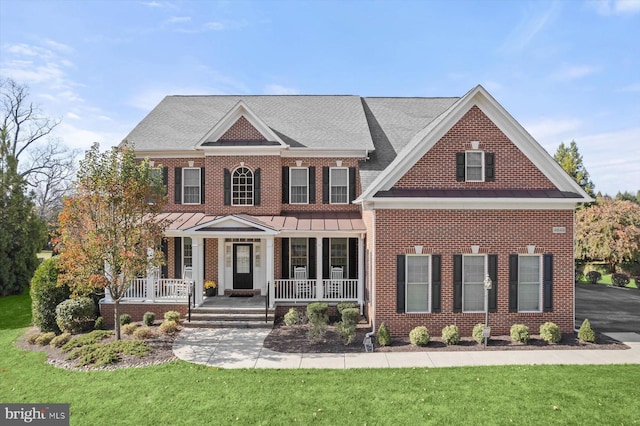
(15, 311)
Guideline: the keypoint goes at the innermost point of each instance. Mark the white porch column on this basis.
(319, 262)
(361, 272)
(198, 261)
(151, 290)
(270, 271)
(221, 283)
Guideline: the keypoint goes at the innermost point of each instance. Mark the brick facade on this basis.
(242, 130)
(137, 310)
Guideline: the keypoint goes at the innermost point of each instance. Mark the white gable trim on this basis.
(410, 203)
(230, 222)
(426, 138)
(239, 110)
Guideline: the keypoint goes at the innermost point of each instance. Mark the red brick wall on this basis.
(242, 130)
(137, 310)
(437, 168)
(452, 232)
(211, 262)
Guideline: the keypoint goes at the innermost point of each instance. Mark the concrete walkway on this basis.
(243, 348)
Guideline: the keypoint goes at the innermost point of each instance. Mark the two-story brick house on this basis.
(402, 205)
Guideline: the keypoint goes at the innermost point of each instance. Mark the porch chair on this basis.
(335, 284)
(303, 286)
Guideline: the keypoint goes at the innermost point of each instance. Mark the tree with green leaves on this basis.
(109, 224)
(628, 196)
(570, 160)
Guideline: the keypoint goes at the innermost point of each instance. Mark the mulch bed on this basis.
(293, 339)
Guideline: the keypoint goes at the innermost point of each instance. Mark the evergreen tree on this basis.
(571, 161)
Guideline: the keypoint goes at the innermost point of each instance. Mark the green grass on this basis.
(187, 394)
(606, 280)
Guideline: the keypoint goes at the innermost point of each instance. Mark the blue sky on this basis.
(564, 69)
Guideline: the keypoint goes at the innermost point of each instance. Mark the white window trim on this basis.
(291, 184)
(540, 282)
(331, 186)
(199, 184)
(184, 244)
(253, 193)
(466, 170)
(406, 284)
(486, 272)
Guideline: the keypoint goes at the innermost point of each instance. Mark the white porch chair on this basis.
(303, 286)
(182, 289)
(335, 284)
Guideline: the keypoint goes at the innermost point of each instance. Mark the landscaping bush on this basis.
(172, 316)
(32, 339)
(451, 335)
(76, 315)
(345, 305)
(60, 340)
(148, 318)
(383, 337)
(128, 329)
(550, 333)
(108, 353)
(125, 319)
(45, 338)
(593, 276)
(419, 336)
(99, 324)
(347, 327)
(143, 333)
(46, 295)
(169, 327)
(520, 333)
(620, 280)
(586, 333)
(292, 317)
(317, 316)
(477, 333)
(86, 339)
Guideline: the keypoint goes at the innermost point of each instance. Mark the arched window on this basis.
(242, 187)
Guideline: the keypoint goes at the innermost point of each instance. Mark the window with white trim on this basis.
(298, 253)
(187, 252)
(418, 283)
(474, 269)
(338, 185)
(191, 186)
(339, 254)
(474, 166)
(242, 187)
(299, 185)
(529, 283)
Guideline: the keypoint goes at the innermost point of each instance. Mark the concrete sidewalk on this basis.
(243, 348)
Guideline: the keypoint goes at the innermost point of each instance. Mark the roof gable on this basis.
(234, 224)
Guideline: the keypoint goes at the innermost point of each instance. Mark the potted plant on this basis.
(210, 288)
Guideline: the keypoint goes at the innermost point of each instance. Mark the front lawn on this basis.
(182, 393)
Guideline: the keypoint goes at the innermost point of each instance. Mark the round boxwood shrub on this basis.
(586, 333)
(172, 316)
(383, 337)
(550, 333)
(292, 317)
(45, 338)
(99, 324)
(76, 315)
(620, 280)
(128, 329)
(477, 333)
(419, 336)
(345, 305)
(46, 295)
(451, 335)
(169, 326)
(593, 276)
(143, 333)
(520, 333)
(60, 340)
(125, 319)
(148, 318)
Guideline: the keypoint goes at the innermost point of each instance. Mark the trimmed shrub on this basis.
(169, 327)
(86, 339)
(143, 333)
(345, 305)
(292, 317)
(593, 276)
(60, 340)
(99, 324)
(477, 333)
(383, 337)
(172, 316)
(419, 336)
(347, 327)
(451, 335)
(128, 329)
(318, 319)
(148, 318)
(125, 319)
(32, 339)
(520, 333)
(76, 315)
(620, 280)
(46, 295)
(45, 338)
(586, 333)
(550, 333)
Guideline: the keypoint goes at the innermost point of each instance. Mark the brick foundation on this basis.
(137, 310)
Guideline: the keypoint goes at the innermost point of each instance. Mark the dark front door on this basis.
(243, 266)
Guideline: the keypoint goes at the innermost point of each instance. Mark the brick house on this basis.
(402, 205)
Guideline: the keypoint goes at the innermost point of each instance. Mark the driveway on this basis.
(609, 309)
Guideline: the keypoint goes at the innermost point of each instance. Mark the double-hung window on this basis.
(474, 166)
(187, 252)
(299, 185)
(191, 186)
(339, 253)
(418, 283)
(529, 283)
(299, 253)
(242, 187)
(339, 185)
(474, 269)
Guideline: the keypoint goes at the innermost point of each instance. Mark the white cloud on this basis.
(213, 25)
(276, 89)
(616, 7)
(73, 116)
(529, 27)
(572, 72)
(549, 131)
(61, 47)
(179, 19)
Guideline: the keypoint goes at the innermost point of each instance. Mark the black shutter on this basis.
(436, 282)
(227, 187)
(400, 283)
(460, 175)
(202, 185)
(204, 257)
(177, 257)
(164, 247)
(285, 185)
(548, 283)
(285, 258)
(513, 283)
(326, 259)
(353, 258)
(178, 186)
(312, 185)
(493, 274)
(312, 258)
(352, 184)
(256, 188)
(489, 167)
(165, 179)
(325, 185)
(457, 283)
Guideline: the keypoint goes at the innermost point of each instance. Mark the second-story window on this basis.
(242, 187)
(299, 185)
(339, 185)
(191, 186)
(474, 166)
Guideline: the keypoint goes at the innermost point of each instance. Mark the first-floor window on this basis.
(339, 253)
(298, 252)
(474, 269)
(418, 283)
(187, 253)
(529, 283)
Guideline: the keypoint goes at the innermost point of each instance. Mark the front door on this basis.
(243, 266)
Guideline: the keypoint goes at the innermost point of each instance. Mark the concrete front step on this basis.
(230, 316)
(227, 324)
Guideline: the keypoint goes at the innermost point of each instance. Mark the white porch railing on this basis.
(164, 290)
(293, 290)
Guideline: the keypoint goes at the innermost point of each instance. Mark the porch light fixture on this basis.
(487, 286)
